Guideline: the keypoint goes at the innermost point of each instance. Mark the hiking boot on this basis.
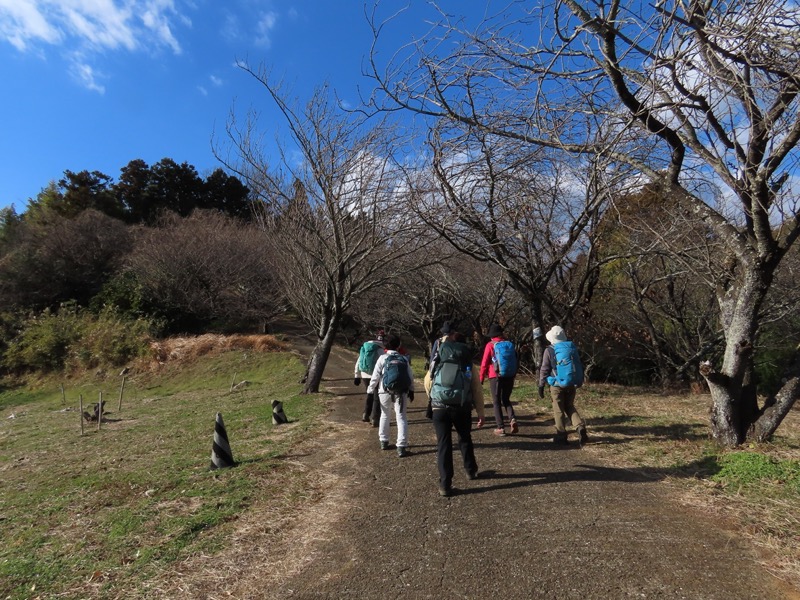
(402, 451)
(365, 418)
(584, 438)
(445, 491)
(560, 439)
(471, 475)
(375, 422)
(514, 426)
(500, 432)
(384, 445)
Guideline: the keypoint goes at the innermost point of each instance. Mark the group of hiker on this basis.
(453, 391)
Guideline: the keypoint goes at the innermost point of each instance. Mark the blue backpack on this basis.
(504, 359)
(395, 374)
(568, 368)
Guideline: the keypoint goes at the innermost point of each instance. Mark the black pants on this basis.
(501, 388)
(444, 419)
(372, 406)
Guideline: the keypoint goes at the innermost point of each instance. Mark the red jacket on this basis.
(487, 366)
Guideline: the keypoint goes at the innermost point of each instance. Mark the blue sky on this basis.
(93, 84)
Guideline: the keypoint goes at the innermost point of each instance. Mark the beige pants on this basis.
(564, 409)
(477, 392)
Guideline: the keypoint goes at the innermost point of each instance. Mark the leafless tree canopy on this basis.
(700, 97)
(209, 266)
(334, 211)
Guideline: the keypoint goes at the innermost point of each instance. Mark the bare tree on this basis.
(658, 290)
(52, 259)
(695, 96)
(533, 217)
(332, 210)
(207, 267)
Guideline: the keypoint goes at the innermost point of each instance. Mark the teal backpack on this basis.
(368, 356)
(451, 384)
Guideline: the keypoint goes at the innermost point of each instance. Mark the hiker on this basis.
(562, 370)
(367, 358)
(451, 400)
(499, 364)
(477, 390)
(394, 382)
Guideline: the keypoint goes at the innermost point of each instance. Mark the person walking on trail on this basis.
(562, 370)
(477, 390)
(451, 398)
(499, 364)
(393, 381)
(367, 359)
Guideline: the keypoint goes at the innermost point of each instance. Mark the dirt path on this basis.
(540, 522)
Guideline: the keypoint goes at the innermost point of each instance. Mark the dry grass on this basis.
(192, 348)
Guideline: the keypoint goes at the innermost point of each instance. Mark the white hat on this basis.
(556, 334)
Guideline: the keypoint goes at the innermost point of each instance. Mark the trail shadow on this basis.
(704, 467)
(622, 424)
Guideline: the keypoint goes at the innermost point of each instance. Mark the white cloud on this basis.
(264, 28)
(21, 22)
(231, 31)
(215, 80)
(87, 77)
(202, 90)
(87, 27)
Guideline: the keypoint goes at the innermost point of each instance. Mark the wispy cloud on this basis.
(215, 80)
(266, 23)
(87, 76)
(86, 27)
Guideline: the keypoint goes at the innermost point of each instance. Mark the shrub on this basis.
(44, 343)
(73, 338)
(109, 339)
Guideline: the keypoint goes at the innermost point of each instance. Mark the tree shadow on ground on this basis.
(624, 425)
(591, 473)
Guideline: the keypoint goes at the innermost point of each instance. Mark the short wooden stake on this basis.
(121, 389)
(100, 412)
(80, 410)
(63, 396)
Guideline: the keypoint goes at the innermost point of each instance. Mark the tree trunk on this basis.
(319, 358)
(776, 408)
(733, 390)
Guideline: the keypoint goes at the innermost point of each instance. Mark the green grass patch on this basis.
(132, 498)
(739, 469)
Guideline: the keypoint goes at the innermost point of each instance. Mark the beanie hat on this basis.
(446, 328)
(556, 334)
(495, 330)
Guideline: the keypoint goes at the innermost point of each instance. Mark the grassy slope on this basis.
(85, 514)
